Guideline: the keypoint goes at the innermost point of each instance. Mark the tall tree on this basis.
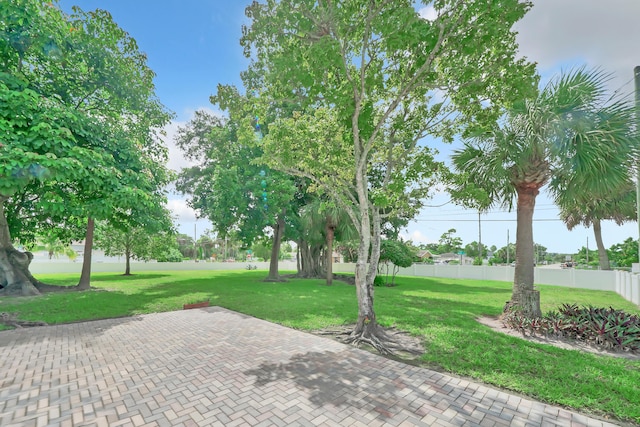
(238, 195)
(370, 79)
(449, 242)
(153, 237)
(581, 206)
(563, 138)
(79, 115)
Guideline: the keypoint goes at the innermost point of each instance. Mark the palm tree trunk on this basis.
(85, 276)
(602, 252)
(525, 298)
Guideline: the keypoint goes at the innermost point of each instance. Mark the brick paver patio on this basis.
(217, 367)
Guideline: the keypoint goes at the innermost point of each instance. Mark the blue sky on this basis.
(193, 45)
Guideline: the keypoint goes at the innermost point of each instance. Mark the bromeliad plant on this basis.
(602, 327)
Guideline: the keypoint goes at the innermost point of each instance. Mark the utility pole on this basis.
(636, 72)
(479, 237)
(507, 246)
(587, 251)
(195, 245)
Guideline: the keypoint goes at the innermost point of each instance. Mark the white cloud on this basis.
(416, 236)
(429, 13)
(177, 160)
(181, 210)
(566, 33)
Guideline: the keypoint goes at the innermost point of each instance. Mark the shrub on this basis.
(171, 255)
(603, 327)
(378, 281)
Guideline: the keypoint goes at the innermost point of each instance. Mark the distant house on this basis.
(424, 255)
(446, 258)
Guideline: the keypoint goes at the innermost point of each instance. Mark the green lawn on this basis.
(441, 311)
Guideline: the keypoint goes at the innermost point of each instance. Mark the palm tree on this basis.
(571, 133)
(325, 222)
(618, 206)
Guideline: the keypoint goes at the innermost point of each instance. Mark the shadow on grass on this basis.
(435, 285)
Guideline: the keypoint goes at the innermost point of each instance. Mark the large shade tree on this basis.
(238, 195)
(573, 137)
(371, 79)
(78, 115)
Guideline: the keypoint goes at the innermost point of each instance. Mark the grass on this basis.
(441, 311)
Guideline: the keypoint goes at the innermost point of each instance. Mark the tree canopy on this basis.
(80, 122)
(369, 80)
(572, 137)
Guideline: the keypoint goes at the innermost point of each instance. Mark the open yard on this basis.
(441, 312)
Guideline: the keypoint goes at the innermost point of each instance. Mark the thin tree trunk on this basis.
(278, 231)
(127, 268)
(603, 258)
(329, 261)
(85, 276)
(366, 329)
(375, 247)
(525, 298)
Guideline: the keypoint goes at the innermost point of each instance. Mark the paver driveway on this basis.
(217, 367)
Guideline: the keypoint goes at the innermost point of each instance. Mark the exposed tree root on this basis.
(389, 341)
(10, 319)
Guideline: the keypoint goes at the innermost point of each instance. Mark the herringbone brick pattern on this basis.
(214, 367)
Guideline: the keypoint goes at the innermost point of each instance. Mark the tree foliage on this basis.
(394, 254)
(449, 242)
(624, 254)
(369, 80)
(238, 194)
(136, 244)
(79, 120)
(572, 137)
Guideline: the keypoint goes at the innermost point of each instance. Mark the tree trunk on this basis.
(85, 276)
(367, 329)
(602, 252)
(375, 247)
(127, 268)
(278, 231)
(310, 260)
(329, 262)
(525, 298)
(15, 278)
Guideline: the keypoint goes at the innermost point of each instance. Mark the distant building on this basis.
(424, 255)
(446, 258)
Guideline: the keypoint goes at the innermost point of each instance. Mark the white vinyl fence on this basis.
(624, 283)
